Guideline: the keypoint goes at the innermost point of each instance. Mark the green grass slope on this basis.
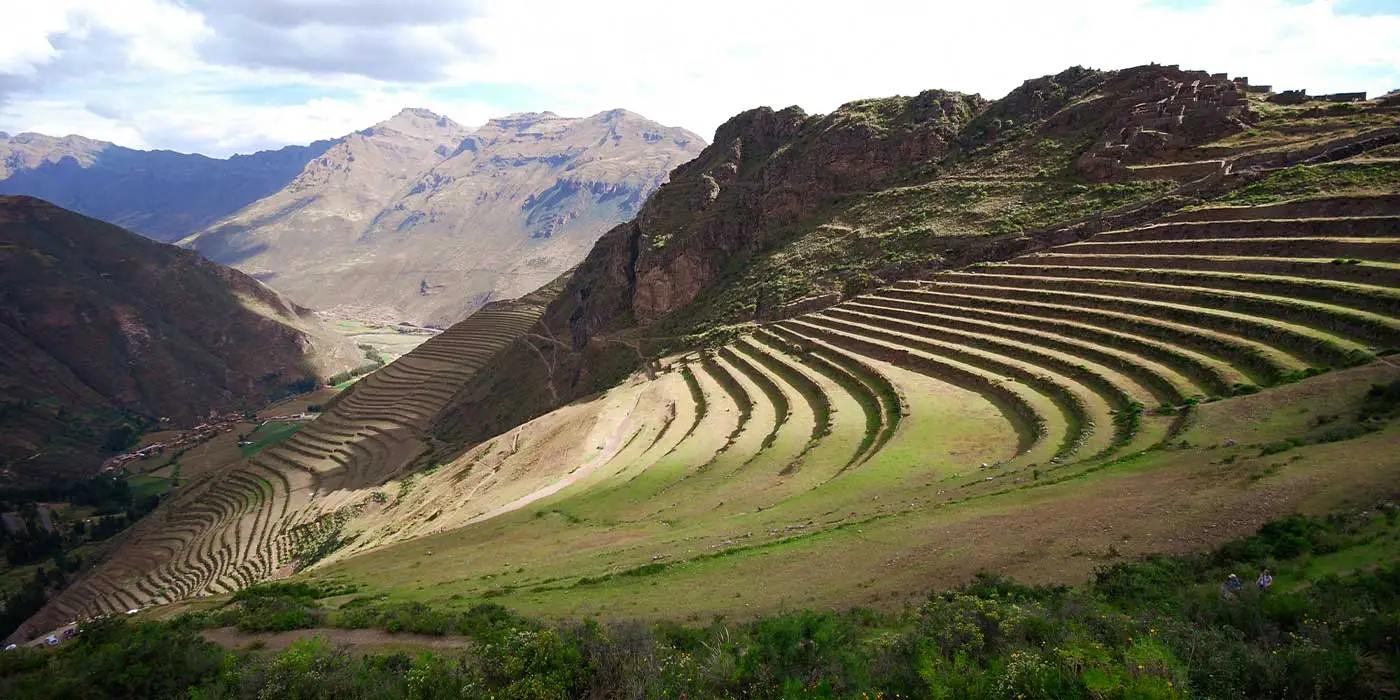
(1170, 350)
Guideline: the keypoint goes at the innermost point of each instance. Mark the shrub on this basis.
(1154, 628)
(534, 665)
(483, 622)
(117, 659)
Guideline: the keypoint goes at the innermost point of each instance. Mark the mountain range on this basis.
(415, 219)
(163, 195)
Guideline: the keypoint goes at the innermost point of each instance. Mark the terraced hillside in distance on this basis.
(257, 518)
(1158, 377)
(105, 334)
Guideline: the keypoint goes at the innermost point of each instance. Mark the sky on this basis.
(234, 76)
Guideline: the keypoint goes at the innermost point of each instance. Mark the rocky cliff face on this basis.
(100, 327)
(769, 170)
(160, 194)
(742, 197)
(416, 220)
(785, 210)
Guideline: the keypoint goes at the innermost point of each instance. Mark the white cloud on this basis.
(61, 118)
(153, 35)
(219, 77)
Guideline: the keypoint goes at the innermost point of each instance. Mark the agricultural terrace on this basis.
(1156, 387)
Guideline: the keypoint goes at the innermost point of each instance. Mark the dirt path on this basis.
(359, 641)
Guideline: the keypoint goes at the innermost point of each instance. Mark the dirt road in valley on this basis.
(359, 641)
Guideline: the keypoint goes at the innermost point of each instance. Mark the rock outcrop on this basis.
(1160, 113)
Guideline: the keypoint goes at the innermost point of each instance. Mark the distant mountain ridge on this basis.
(162, 195)
(100, 327)
(415, 218)
(444, 220)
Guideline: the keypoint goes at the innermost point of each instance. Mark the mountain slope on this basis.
(101, 327)
(316, 221)
(414, 219)
(1102, 307)
(160, 194)
(788, 211)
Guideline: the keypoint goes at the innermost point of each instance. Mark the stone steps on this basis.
(1333, 227)
(796, 381)
(767, 387)
(1162, 385)
(1379, 275)
(1352, 331)
(737, 395)
(1083, 405)
(1035, 418)
(1379, 300)
(1260, 362)
(1366, 249)
(1210, 376)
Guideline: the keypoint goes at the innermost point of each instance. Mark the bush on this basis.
(483, 622)
(534, 665)
(802, 652)
(116, 659)
(1154, 628)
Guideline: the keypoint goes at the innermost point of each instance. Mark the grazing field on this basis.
(269, 434)
(144, 486)
(299, 404)
(391, 341)
(197, 460)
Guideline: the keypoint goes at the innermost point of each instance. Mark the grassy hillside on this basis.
(921, 513)
(1165, 351)
(787, 212)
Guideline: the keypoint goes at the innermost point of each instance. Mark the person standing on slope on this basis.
(1231, 588)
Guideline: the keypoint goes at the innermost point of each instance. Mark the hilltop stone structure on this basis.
(1170, 110)
(1298, 97)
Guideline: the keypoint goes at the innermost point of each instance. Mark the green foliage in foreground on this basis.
(1161, 627)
